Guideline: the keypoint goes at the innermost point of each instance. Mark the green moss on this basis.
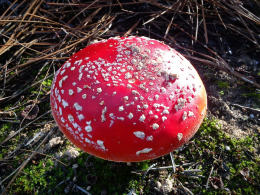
(221, 92)
(223, 84)
(34, 178)
(4, 129)
(228, 156)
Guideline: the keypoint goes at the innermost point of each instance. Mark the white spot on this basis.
(145, 106)
(64, 104)
(190, 114)
(67, 64)
(155, 126)
(130, 115)
(112, 116)
(87, 140)
(59, 98)
(79, 89)
(142, 118)
(139, 134)
(84, 96)
(56, 105)
(156, 96)
(189, 99)
(70, 117)
(126, 98)
(78, 62)
(101, 144)
(88, 128)
(60, 110)
(111, 123)
(171, 97)
(145, 150)
(184, 116)
(129, 86)
(179, 136)
(121, 108)
(181, 103)
(165, 112)
(149, 138)
(155, 105)
(103, 118)
(99, 90)
(63, 79)
(71, 92)
(62, 72)
(163, 90)
(164, 118)
(134, 92)
(62, 119)
(150, 99)
(81, 117)
(80, 76)
(77, 106)
(128, 75)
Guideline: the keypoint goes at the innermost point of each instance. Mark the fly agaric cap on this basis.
(128, 99)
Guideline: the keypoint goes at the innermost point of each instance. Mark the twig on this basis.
(150, 168)
(246, 107)
(132, 28)
(185, 188)
(19, 130)
(46, 156)
(17, 93)
(82, 189)
(211, 171)
(170, 167)
(161, 13)
(173, 163)
(204, 23)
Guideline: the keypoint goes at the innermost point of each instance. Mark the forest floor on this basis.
(220, 38)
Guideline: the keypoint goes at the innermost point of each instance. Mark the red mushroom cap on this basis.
(128, 99)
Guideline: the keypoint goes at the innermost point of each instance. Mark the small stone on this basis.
(166, 186)
(252, 116)
(227, 148)
(54, 142)
(72, 153)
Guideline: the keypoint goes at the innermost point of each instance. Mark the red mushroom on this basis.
(128, 99)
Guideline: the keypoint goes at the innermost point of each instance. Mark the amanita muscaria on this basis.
(128, 99)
